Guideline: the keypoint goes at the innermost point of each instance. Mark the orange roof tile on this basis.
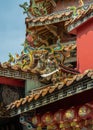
(30, 98)
(49, 19)
(49, 89)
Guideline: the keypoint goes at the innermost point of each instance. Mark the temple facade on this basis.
(49, 86)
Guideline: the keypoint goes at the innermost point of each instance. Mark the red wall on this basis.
(85, 46)
(12, 82)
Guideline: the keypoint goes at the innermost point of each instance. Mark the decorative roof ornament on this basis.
(27, 47)
(59, 46)
(11, 58)
(25, 122)
(38, 9)
(25, 6)
(53, 2)
(74, 10)
(81, 3)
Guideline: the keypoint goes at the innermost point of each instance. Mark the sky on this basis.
(12, 28)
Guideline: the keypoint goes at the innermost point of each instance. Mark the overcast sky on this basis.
(12, 27)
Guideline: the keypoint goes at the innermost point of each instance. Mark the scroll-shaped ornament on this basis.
(25, 123)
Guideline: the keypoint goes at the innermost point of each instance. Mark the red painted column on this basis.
(85, 46)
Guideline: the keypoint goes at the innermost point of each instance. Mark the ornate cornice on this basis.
(76, 88)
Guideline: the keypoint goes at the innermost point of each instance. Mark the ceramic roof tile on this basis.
(5, 66)
(36, 96)
(30, 98)
(25, 100)
(18, 103)
(49, 89)
(52, 89)
(45, 91)
(79, 77)
(61, 16)
(15, 67)
(82, 14)
(13, 106)
(60, 85)
(90, 74)
(69, 81)
(50, 18)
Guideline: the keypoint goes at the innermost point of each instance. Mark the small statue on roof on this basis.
(27, 47)
(38, 9)
(11, 58)
(59, 46)
(25, 6)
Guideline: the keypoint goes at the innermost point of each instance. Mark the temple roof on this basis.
(68, 85)
(84, 15)
(16, 71)
(49, 19)
(44, 96)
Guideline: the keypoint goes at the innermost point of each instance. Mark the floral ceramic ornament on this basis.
(58, 116)
(70, 114)
(36, 121)
(47, 118)
(86, 115)
(84, 112)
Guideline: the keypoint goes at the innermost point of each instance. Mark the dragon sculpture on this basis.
(39, 55)
(47, 61)
(77, 10)
(37, 9)
(26, 9)
(55, 61)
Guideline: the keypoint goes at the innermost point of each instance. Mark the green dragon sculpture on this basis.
(25, 6)
(38, 9)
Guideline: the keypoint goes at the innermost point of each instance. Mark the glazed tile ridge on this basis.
(73, 23)
(49, 19)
